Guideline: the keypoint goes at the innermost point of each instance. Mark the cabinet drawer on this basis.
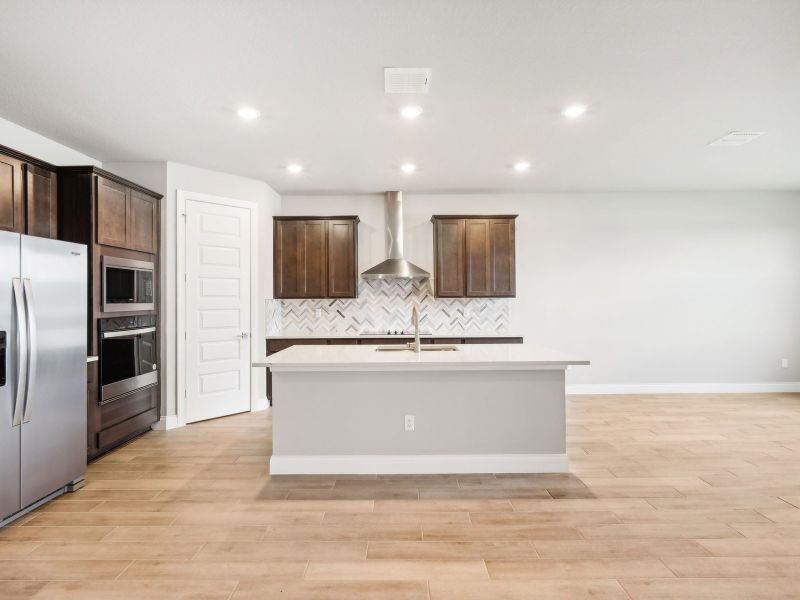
(126, 429)
(125, 407)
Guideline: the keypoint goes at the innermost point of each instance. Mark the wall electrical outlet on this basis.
(319, 313)
(409, 422)
(785, 363)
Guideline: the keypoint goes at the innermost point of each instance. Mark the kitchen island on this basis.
(362, 410)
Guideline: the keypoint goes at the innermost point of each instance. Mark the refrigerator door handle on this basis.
(22, 351)
(32, 350)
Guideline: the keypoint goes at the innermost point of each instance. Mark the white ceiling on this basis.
(161, 80)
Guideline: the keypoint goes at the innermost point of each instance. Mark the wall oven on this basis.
(127, 284)
(128, 355)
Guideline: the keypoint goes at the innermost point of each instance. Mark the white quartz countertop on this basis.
(354, 336)
(506, 357)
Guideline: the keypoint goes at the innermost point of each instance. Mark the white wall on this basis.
(168, 178)
(654, 288)
(31, 143)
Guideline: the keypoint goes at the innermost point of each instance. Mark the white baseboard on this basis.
(409, 464)
(260, 404)
(166, 422)
(683, 388)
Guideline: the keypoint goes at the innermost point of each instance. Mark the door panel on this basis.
(11, 212)
(112, 213)
(300, 259)
(313, 262)
(9, 434)
(449, 272)
(54, 428)
(502, 258)
(341, 259)
(477, 257)
(40, 202)
(218, 250)
(144, 223)
(287, 246)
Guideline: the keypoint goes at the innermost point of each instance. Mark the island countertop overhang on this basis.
(486, 357)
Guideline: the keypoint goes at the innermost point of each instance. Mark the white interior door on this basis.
(218, 248)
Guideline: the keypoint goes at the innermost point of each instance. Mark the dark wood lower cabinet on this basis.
(123, 418)
(276, 345)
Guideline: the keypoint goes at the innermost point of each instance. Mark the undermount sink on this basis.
(422, 348)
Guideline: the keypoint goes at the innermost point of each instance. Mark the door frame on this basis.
(180, 356)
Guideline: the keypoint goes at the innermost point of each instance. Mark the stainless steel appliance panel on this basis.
(127, 361)
(128, 285)
(9, 432)
(53, 436)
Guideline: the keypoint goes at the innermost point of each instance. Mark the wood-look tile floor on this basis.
(670, 497)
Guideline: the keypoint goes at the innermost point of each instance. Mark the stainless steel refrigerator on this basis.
(43, 300)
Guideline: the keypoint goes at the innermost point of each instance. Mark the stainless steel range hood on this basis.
(395, 267)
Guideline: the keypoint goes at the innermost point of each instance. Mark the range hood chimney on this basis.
(395, 267)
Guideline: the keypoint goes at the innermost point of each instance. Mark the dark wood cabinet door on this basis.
(112, 213)
(12, 217)
(300, 261)
(476, 255)
(41, 202)
(143, 223)
(449, 257)
(342, 259)
(502, 260)
(314, 259)
(286, 256)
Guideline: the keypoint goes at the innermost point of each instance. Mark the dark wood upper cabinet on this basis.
(12, 217)
(474, 256)
(342, 248)
(126, 217)
(448, 241)
(28, 195)
(143, 222)
(41, 194)
(502, 258)
(315, 257)
(112, 213)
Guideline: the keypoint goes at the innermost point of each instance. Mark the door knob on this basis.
(244, 335)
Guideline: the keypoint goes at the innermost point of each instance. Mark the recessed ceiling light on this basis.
(411, 112)
(248, 113)
(408, 168)
(574, 111)
(294, 168)
(522, 166)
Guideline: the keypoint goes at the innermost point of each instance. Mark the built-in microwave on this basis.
(127, 284)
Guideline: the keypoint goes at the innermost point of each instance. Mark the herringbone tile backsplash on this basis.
(385, 304)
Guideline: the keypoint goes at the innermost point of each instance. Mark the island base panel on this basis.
(465, 422)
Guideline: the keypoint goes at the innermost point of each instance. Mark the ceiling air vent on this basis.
(737, 138)
(407, 80)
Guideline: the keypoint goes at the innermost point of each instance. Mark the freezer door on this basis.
(53, 440)
(9, 433)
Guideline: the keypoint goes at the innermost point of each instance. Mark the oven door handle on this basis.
(127, 332)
